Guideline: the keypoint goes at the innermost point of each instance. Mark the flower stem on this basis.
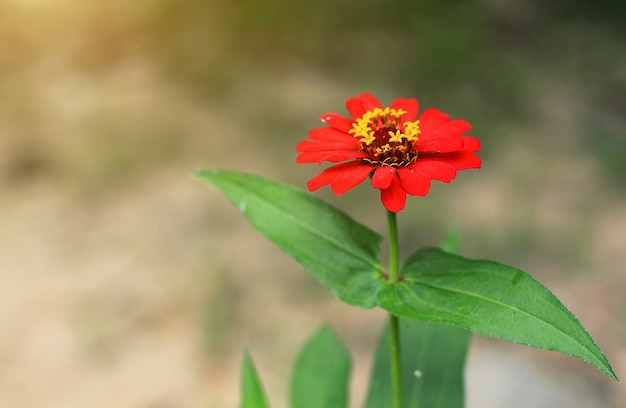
(393, 247)
(394, 327)
(396, 373)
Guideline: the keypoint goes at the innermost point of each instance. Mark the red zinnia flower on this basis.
(400, 153)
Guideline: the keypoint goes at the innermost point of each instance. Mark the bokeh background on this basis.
(126, 283)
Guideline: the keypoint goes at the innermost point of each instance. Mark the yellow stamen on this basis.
(411, 130)
(365, 127)
(386, 138)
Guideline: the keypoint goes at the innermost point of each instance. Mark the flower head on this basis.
(401, 154)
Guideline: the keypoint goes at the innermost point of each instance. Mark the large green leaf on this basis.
(321, 373)
(433, 358)
(252, 395)
(339, 252)
(488, 298)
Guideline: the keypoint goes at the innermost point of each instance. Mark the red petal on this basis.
(355, 107)
(337, 122)
(444, 138)
(470, 143)
(342, 177)
(361, 104)
(328, 134)
(350, 178)
(383, 176)
(393, 197)
(442, 144)
(330, 156)
(369, 101)
(313, 146)
(414, 181)
(409, 105)
(436, 169)
(460, 160)
(432, 118)
(454, 127)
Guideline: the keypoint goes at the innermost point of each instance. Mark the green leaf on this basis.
(339, 252)
(321, 373)
(433, 359)
(491, 299)
(252, 395)
(451, 241)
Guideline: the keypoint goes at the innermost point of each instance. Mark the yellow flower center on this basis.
(387, 140)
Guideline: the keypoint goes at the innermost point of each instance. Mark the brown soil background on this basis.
(126, 283)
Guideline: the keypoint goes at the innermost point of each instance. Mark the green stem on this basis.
(394, 329)
(393, 248)
(396, 372)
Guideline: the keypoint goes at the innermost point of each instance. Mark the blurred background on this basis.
(126, 283)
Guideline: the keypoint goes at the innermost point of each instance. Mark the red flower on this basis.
(401, 154)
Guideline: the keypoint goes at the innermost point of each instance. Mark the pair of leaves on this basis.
(432, 370)
(320, 376)
(485, 297)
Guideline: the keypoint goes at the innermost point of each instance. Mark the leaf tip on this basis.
(451, 241)
(612, 374)
(200, 173)
(246, 359)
